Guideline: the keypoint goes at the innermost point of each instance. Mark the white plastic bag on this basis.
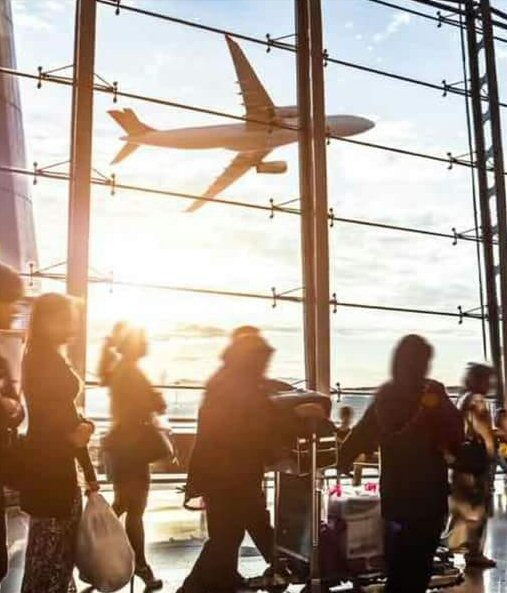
(104, 556)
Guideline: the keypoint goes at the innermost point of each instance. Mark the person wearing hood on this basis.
(227, 464)
(416, 426)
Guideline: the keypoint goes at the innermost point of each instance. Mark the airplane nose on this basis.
(365, 124)
(349, 125)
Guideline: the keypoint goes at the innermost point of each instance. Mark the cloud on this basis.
(394, 25)
(55, 6)
(32, 22)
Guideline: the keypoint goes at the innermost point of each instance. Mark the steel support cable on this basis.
(411, 11)
(107, 183)
(440, 20)
(271, 43)
(272, 124)
(291, 48)
(405, 152)
(442, 6)
(500, 13)
(474, 187)
(108, 90)
(401, 77)
(115, 92)
(252, 295)
(55, 175)
(194, 25)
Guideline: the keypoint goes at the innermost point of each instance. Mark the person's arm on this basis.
(483, 426)
(446, 420)
(364, 438)
(85, 462)
(11, 410)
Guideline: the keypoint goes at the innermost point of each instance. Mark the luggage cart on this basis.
(298, 506)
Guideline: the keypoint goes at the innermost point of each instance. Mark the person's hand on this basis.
(159, 402)
(10, 408)
(81, 435)
(92, 487)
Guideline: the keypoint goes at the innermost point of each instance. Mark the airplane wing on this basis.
(258, 103)
(239, 166)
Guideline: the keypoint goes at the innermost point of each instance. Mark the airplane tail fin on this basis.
(127, 150)
(129, 121)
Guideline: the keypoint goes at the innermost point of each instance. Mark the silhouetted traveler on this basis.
(133, 405)
(227, 464)
(57, 437)
(415, 423)
(11, 411)
(473, 474)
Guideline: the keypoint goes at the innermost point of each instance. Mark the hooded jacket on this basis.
(414, 427)
(233, 441)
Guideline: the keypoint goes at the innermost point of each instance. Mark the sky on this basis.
(150, 239)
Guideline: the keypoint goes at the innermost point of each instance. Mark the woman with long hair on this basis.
(134, 403)
(472, 477)
(227, 464)
(415, 424)
(57, 437)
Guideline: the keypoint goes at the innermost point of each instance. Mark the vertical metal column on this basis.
(499, 176)
(80, 170)
(322, 297)
(306, 186)
(479, 89)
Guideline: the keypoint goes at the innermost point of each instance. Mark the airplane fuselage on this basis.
(240, 137)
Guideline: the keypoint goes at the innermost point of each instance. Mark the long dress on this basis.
(51, 495)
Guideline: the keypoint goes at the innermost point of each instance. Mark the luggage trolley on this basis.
(307, 549)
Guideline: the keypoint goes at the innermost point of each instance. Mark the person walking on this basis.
(133, 442)
(11, 411)
(473, 473)
(226, 469)
(416, 425)
(57, 437)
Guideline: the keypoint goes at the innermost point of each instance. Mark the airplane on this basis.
(252, 140)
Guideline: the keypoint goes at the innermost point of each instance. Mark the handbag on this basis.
(154, 444)
(140, 444)
(472, 457)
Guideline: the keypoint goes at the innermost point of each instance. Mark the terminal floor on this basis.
(175, 537)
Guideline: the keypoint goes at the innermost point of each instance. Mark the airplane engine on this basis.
(287, 111)
(272, 167)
